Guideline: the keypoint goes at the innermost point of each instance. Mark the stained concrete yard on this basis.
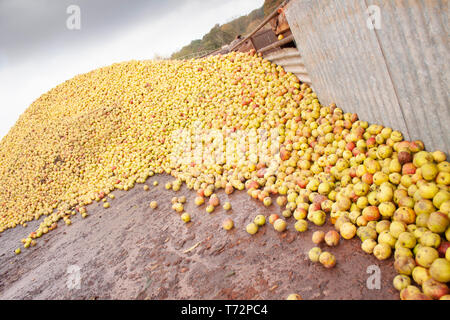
(130, 251)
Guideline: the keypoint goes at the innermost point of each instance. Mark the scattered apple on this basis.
(228, 224)
(314, 254)
(327, 260)
(251, 228)
(280, 225)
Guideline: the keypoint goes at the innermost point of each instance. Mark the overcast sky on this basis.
(38, 51)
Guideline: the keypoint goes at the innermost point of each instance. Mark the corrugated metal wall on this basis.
(395, 75)
(291, 61)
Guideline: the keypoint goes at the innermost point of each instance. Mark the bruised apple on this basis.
(332, 238)
(434, 289)
(318, 236)
(327, 260)
(401, 281)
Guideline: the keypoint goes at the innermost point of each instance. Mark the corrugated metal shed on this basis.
(395, 75)
(291, 61)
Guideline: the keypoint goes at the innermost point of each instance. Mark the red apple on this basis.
(416, 146)
(434, 289)
(367, 178)
(350, 146)
(443, 248)
(273, 217)
(404, 157)
(371, 213)
(408, 168)
(252, 185)
(371, 142)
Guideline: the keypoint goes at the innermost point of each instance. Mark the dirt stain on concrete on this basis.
(130, 251)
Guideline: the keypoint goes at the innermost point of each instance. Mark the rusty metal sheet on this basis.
(282, 23)
(263, 38)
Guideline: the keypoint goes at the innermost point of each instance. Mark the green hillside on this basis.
(220, 35)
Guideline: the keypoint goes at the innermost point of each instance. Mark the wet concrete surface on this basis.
(130, 251)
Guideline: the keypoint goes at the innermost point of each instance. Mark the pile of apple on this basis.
(113, 128)
(390, 193)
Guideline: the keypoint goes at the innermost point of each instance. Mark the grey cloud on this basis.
(27, 26)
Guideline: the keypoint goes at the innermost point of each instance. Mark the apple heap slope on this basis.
(111, 128)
